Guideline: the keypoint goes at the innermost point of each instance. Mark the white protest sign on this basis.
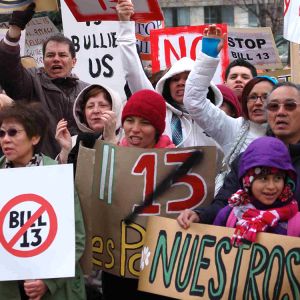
(97, 51)
(37, 31)
(291, 14)
(3, 30)
(37, 223)
(171, 44)
(142, 32)
(256, 45)
(95, 10)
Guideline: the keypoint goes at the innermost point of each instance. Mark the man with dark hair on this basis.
(237, 74)
(54, 85)
(283, 115)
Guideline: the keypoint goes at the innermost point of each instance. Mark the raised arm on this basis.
(209, 117)
(14, 79)
(132, 66)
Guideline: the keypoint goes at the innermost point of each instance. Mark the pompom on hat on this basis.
(149, 105)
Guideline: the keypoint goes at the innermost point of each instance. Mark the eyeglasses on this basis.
(10, 132)
(288, 106)
(254, 98)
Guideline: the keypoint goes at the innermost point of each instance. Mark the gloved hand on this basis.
(22, 17)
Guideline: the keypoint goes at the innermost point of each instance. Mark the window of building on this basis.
(177, 16)
(219, 14)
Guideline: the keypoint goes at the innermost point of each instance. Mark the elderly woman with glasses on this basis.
(22, 129)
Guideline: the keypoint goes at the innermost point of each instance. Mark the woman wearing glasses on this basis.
(22, 129)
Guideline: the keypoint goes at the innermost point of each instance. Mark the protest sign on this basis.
(8, 6)
(201, 263)
(170, 44)
(38, 30)
(255, 45)
(97, 51)
(113, 181)
(3, 32)
(105, 10)
(291, 28)
(37, 223)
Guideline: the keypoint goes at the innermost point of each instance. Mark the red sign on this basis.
(22, 223)
(105, 10)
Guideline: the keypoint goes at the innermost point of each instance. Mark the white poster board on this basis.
(37, 223)
(97, 52)
(255, 45)
(291, 14)
(38, 30)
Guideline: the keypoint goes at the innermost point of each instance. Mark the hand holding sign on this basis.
(213, 40)
(125, 10)
(21, 18)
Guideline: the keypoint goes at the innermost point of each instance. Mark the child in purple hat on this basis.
(266, 202)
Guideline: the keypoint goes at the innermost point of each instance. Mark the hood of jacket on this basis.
(186, 64)
(116, 107)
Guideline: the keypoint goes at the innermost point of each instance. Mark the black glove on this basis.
(20, 18)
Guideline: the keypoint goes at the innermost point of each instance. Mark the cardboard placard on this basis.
(255, 45)
(37, 223)
(97, 51)
(105, 10)
(200, 263)
(38, 30)
(112, 182)
(8, 6)
(170, 44)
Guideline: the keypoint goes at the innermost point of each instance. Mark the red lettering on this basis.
(170, 48)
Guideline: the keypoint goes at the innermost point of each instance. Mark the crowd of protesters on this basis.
(253, 121)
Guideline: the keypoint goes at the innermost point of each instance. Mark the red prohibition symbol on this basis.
(45, 207)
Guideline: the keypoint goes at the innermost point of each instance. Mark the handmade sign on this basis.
(114, 181)
(38, 30)
(37, 223)
(170, 44)
(97, 51)
(255, 45)
(8, 6)
(200, 263)
(291, 28)
(142, 32)
(105, 10)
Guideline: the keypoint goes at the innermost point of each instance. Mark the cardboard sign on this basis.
(170, 44)
(97, 51)
(142, 32)
(8, 6)
(37, 223)
(3, 31)
(255, 45)
(291, 28)
(38, 30)
(113, 181)
(200, 263)
(105, 10)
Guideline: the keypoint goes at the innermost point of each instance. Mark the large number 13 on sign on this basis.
(146, 165)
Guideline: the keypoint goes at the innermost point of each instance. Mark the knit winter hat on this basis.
(149, 105)
(230, 97)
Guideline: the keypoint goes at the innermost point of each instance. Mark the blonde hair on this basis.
(5, 101)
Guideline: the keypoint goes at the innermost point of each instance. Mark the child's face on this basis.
(267, 188)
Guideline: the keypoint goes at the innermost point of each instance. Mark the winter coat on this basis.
(58, 288)
(193, 134)
(232, 184)
(215, 122)
(56, 95)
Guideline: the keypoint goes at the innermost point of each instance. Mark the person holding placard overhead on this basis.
(22, 130)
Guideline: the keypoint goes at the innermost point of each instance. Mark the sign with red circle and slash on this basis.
(28, 225)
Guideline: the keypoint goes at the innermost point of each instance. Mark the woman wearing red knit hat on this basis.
(143, 121)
